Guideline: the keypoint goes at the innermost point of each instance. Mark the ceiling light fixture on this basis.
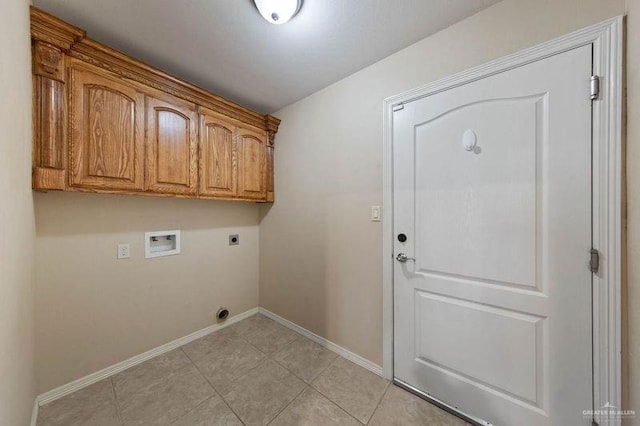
(278, 11)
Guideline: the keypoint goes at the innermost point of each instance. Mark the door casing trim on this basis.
(607, 40)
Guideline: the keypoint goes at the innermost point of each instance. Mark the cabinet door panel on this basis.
(218, 157)
(171, 148)
(106, 137)
(252, 165)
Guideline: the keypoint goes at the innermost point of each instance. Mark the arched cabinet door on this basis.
(218, 157)
(106, 138)
(252, 166)
(171, 160)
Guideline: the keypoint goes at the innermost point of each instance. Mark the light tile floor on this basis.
(255, 372)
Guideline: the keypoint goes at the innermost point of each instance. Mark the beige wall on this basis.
(633, 205)
(320, 256)
(17, 230)
(93, 310)
(319, 253)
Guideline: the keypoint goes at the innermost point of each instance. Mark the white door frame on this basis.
(607, 40)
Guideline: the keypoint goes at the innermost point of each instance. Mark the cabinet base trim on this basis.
(45, 178)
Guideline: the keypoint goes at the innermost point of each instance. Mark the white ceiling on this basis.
(225, 45)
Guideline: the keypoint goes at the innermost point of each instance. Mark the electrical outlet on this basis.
(124, 251)
(234, 239)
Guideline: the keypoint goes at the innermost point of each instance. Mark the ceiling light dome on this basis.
(278, 11)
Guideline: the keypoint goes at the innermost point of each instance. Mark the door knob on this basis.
(401, 257)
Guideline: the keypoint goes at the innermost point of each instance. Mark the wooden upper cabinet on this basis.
(252, 164)
(106, 119)
(106, 122)
(171, 160)
(218, 157)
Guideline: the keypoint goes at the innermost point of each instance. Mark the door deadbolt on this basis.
(402, 238)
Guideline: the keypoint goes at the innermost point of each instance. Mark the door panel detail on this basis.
(500, 348)
(482, 211)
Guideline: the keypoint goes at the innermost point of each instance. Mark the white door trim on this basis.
(607, 40)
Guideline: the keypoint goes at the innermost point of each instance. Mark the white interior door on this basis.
(492, 189)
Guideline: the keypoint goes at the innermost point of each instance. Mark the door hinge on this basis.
(398, 107)
(595, 87)
(594, 261)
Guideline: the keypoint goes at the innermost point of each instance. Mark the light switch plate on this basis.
(124, 251)
(376, 213)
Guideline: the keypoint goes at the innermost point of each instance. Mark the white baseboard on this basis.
(92, 378)
(356, 359)
(83, 382)
(34, 412)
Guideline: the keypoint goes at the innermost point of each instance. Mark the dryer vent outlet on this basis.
(223, 314)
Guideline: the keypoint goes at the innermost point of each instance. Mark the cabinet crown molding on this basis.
(106, 122)
(49, 29)
(75, 43)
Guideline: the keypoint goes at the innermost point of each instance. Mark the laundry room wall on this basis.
(320, 255)
(17, 225)
(93, 310)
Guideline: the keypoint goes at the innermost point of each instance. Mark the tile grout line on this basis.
(295, 335)
(289, 371)
(213, 387)
(292, 372)
(335, 360)
(196, 367)
(328, 365)
(340, 406)
(191, 410)
(154, 382)
(300, 378)
(266, 355)
(306, 386)
(318, 376)
(163, 377)
(112, 370)
(335, 403)
(270, 357)
(115, 397)
(235, 378)
(373, 413)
